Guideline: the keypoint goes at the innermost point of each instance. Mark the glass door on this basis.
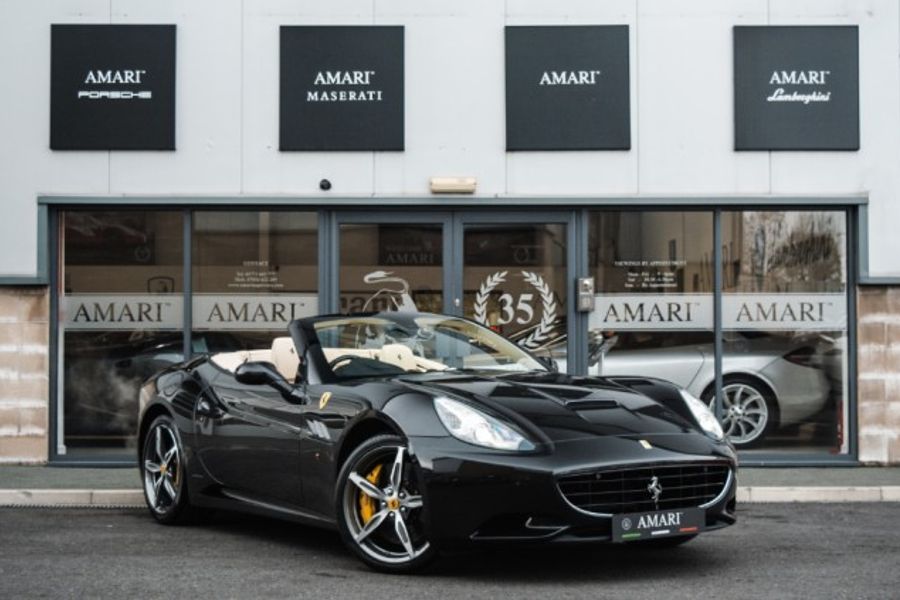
(392, 262)
(507, 271)
(513, 275)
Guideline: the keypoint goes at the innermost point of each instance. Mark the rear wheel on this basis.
(163, 473)
(379, 506)
(749, 410)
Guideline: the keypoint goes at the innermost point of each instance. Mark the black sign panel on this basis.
(341, 88)
(567, 88)
(112, 87)
(796, 88)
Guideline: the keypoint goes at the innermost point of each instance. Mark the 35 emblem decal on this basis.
(519, 311)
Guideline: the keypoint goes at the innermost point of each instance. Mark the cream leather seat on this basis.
(230, 361)
(399, 355)
(284, 357)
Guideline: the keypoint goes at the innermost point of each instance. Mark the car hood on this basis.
(561, 407)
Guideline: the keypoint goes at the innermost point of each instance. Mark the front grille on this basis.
(613, 491)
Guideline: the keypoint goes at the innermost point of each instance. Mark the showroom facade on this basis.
(709, 241)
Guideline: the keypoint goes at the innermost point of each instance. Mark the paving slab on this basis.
(45, 477)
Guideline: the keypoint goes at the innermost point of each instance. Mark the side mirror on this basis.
(265, 373)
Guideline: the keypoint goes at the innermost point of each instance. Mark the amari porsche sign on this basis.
(796, 88)
(112, 87)
(567, 88)
(341, 88)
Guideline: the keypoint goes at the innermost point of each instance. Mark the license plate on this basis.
(657, 524)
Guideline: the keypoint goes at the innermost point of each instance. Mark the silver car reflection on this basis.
(768, 382)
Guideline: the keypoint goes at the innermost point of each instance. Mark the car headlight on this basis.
(704, 416)
(473, 426)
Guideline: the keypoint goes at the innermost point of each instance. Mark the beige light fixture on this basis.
(452, 185)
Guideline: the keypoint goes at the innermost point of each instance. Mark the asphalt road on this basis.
(776, 551)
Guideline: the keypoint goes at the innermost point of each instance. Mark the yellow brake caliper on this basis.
(367, 504)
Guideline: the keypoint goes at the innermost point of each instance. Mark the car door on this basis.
(249, 439)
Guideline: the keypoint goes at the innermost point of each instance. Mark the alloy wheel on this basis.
(383, 509)
(162, 468)
(745, 412)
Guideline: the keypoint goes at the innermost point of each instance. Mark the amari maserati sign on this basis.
(341, 88)
(112, 87)
(796, 88)
(567, 88)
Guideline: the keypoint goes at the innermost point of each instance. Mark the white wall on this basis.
(227, 108)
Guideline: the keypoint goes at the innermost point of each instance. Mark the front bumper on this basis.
(475, 496)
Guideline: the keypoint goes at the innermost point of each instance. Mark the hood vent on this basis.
(592, 404)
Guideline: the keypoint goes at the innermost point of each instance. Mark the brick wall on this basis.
(24, 369)
(879, 374)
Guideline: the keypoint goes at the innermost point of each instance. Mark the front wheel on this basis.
(379, 507)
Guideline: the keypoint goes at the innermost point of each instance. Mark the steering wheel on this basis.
(345, 358)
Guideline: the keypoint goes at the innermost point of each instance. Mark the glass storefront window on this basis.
(784, 320)
(515, 281)
(121, 312)
(388, 267)
(653, 315)
(253, 272)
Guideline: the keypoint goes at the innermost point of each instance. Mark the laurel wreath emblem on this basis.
(548, 305)
(484, 291)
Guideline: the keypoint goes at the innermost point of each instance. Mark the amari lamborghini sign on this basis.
(796, 88)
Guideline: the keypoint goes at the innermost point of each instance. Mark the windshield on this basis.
(391, 345)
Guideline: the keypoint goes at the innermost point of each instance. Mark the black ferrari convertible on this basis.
(414, 433)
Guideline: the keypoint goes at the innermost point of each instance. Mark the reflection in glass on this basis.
(120, 319)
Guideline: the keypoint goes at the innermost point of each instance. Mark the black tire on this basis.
(732, 385)
(381, 548)
(166, 494)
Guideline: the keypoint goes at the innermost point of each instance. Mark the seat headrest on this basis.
(284, 357)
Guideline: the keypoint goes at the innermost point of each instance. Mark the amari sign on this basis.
(221, 312)
(796, 88)
(341, 88)
(567, 88)
(112, 312)
(112, 87)
(251, 312)
(756, 312)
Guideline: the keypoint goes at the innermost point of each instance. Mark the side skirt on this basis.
(238, 501)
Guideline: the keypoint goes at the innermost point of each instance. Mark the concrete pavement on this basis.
(774, 551)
